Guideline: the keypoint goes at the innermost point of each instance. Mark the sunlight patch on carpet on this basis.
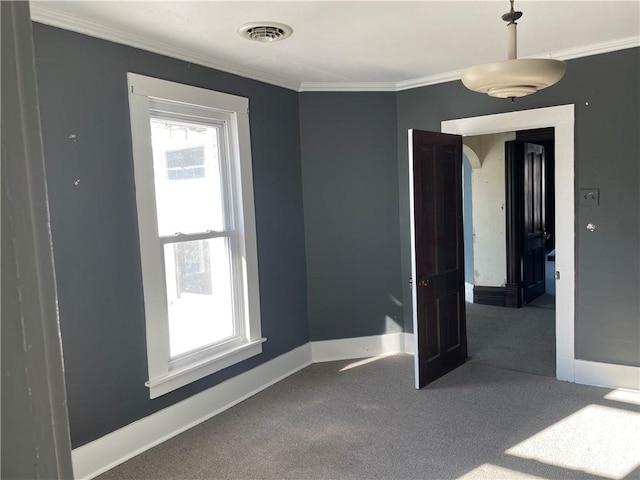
(597, 440)
(625, 396)
(494, 472)
(360, 363)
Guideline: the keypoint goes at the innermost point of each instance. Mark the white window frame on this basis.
(167, 374)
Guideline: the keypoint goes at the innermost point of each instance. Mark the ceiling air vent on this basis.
(265, 31)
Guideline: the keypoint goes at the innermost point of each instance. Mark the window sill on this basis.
(198, 369)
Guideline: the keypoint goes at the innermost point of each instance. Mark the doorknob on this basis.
(423, 282)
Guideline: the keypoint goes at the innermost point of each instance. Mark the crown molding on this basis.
(429, 80)
(46, 15)
(348, 87)
(378, 86)
(594, 49)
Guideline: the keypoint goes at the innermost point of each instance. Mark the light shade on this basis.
(513, 78)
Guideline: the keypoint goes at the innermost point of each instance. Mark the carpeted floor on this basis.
(364, 420)
(544, 301)
(521, 339)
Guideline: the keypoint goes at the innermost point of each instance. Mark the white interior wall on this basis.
(488, 194)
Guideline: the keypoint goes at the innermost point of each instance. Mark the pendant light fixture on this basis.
(513, 77)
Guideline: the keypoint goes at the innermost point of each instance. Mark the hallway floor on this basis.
(520, 339)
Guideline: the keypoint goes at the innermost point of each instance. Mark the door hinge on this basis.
(557, 274)
(410, 282)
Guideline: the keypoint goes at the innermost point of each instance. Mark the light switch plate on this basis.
(589, 196)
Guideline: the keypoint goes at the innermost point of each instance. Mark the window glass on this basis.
(199, 294)
(188, 177)
(186, 163)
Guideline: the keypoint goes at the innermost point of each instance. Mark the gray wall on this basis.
(83, 92)
(604, 89)
(349, 171)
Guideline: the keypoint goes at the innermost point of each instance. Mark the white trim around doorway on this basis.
(468, 292)
(562, 119)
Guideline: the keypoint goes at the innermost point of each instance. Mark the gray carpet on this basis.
(521, 339)
(368, 422)
(544, 301)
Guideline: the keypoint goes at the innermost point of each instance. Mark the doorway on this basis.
(530, 209)
(508, 235)
(561, 119)
(508, 209)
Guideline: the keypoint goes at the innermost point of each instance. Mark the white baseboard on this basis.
(114, 448)
(468, 292)
(565, 368)
(607, 375)
(359, 347)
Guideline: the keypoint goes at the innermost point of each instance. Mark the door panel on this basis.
(452, 302)
(534, 222)
(431, 341)
(437, 260)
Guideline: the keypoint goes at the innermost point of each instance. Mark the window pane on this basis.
(187, 176)
(186, 163)
(198, 294)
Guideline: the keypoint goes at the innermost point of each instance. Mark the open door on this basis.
(437, 250)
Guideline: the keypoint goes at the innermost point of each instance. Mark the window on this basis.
(194, 195)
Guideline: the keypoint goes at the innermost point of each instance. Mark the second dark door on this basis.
(526, 211)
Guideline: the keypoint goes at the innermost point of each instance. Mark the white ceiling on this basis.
(356, 45)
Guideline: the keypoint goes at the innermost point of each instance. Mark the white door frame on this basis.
(561, 118)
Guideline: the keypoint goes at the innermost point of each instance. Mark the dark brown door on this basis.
(526, 213)
(534, 222)
(438, 263)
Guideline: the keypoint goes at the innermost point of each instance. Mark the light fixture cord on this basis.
(512, 32)
(512, 29)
